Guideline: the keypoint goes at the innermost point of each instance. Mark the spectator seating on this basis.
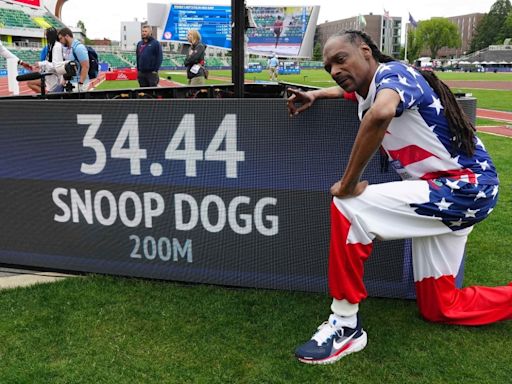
(114, 60)
(12, 18)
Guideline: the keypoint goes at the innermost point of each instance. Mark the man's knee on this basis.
(435, 305)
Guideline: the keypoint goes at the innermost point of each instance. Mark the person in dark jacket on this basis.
(149, 59)
(196, 72)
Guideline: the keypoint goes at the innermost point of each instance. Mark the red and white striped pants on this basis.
(389, 211)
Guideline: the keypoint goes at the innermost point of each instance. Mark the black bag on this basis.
(94, 66)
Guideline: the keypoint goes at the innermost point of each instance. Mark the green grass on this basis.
(490, 99)
(115, 330)
(475, 76)
(117, 84)
(480, 121)
(119, 330)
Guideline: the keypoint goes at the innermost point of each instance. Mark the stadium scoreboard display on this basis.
(212, 22)
(285, 31)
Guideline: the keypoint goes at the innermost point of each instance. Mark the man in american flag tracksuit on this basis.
(449, 184)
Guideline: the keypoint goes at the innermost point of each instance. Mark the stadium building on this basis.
(466, 24)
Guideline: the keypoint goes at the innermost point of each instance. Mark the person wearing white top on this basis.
(54, 57)
(5, 53)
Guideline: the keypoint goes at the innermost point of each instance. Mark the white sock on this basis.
(343, 321)
(344, 308)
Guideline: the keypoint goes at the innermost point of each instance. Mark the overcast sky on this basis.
(102, 18)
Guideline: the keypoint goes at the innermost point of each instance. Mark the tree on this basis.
(492, 29)
(507, 26)
(437, 33)
(413, 46)
(80, 24)
(317, 52)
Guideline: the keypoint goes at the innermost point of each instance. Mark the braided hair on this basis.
(51, 36)
(461, 128)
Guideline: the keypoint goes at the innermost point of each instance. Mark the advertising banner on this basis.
(33, 3)
(289, 68)
(231, 192)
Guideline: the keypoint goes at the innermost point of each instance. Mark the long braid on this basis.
(461, 127)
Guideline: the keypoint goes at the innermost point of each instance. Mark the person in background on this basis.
(273, 67)
(54, 54)
(278, 28)
(44, 52)
(195, 59)
(75, 51)
(449, 183)
(6, 54)
(149, 59)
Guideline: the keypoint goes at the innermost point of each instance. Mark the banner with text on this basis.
(231, 192)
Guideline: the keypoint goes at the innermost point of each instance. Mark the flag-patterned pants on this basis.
(438, 215)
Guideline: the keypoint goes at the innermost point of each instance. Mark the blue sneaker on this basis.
(331, 342)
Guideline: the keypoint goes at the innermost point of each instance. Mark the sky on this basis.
(102, 18)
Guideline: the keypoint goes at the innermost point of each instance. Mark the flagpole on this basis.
(406, 41)
(388, 33)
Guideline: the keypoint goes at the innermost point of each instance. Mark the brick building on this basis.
(385, 33)
(467, 25)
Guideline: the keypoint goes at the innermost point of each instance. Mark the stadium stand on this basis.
(12, 18)
(53, 21)
(129, 57)
(167, 61)
(114, 60)
(18, 16)
(311, 64)
(178, 60)
(214, 62)
(493, 53)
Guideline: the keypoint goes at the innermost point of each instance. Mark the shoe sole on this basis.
(355, 346)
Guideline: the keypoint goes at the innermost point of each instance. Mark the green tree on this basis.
(80, 24)
(507, 27)
(437, 33)
(413, 47)
(317, 52)
(492, 29)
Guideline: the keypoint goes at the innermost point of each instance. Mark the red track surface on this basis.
(506, 117)
(480, 84)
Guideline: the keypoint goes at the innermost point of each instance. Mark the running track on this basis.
(506, 117)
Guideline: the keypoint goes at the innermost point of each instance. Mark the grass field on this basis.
(475, 76)
(100, 329)
(492, 99)
(117, 330)
(480, 121)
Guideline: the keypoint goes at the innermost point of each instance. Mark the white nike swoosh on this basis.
(343, 342)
